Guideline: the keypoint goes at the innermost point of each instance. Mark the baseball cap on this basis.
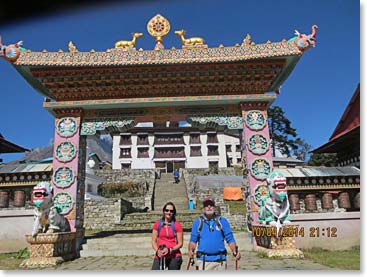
(208, 201)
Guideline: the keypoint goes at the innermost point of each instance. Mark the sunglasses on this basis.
(208, 203)
(169, 211)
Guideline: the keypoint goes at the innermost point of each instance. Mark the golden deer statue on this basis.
(189, 41)
(125, 44)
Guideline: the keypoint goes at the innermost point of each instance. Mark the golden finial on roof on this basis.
(189, 41)
(158, 27)
(268, 42)
(128, 44)
(237, 45)
(44, 51)
(221, 45)
(72, 47)
(141, 49)
(173, 48)
(60, 51)
(247, 40)
(253, 43)
(29, 51)
(284, 40)
(92, 51)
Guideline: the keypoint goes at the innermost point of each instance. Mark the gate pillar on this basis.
(257, 157)
(69, 161)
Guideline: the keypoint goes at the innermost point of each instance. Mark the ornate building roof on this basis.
(9, 147)
(195, 70)
(347, 133)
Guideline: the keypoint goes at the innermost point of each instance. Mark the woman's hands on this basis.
(162, 251)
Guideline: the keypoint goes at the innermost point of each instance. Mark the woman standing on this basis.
(167, 239)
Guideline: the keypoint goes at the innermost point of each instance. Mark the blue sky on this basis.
(314, 96)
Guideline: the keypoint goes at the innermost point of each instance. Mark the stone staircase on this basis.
(167, 190)
(133, 236)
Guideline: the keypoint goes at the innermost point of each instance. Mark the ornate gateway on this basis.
(109, 91)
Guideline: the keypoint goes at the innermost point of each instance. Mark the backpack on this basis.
(161, 222)
(217, 222)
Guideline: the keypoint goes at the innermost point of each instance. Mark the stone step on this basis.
(140, 245)
(146, 219)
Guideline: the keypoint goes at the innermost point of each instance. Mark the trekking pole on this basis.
(162, 260)
(235, 255)
(191, 261)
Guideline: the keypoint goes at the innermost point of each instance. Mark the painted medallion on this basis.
(63, 177)
(261, 193)
(64, 202)
(65, 151)
(255, 120)
(66, 127)
(260, 168)
(258, 144)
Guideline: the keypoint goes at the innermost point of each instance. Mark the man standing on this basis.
(176, 175)
(209, 232)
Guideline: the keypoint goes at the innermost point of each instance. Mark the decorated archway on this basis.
(91, 93)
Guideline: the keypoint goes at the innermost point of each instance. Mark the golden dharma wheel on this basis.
(158, 27)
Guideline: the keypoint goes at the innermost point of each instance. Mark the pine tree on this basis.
(282, 134)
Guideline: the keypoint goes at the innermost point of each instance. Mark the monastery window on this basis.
(125, 153)
(142, 140)
(126, 166)
(228, 148)
(125, 140)
(213, 165)
(195, 151)
(195, 138)
(238, 148)
(212, 150)
(143, 152)
(212, 138)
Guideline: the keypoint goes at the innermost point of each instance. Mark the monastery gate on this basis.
(91, 93)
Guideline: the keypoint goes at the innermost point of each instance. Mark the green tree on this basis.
(282, 134)
(302, 150)
(325, 159)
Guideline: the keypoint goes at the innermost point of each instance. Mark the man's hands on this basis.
(236, 254)
(191, 253)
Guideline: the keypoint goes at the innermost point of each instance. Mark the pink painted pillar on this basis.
(68, 164)
(256, 139)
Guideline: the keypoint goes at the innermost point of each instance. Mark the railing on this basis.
(169, 142)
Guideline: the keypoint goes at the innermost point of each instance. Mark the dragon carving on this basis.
(11, 52)
(304, 41)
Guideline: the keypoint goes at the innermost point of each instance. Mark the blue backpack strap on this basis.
(219, 224)
(160, 226)
(201, 224)
(174, 230)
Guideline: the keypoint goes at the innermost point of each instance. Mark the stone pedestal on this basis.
(51, 249)
(276, 242)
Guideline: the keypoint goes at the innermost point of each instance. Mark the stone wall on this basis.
(144, 176)
(237, 221)
(317, 230)
(15, 224)
(190, 175)
(105, 212)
